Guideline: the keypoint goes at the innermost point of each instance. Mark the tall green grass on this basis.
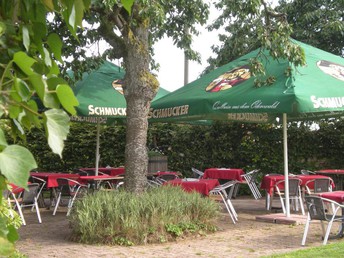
(158, 215)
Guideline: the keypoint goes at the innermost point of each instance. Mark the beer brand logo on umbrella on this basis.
(117, 85)
(333, 69)
(229, 79)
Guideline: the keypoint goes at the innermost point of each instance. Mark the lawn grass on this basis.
(334, 250)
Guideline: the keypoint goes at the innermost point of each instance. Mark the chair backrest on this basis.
(64, 186)
(30, 194)
(315, 207)
(294, 186)
(306, 172)
(251, 176)
(322, 185)
(197, 173)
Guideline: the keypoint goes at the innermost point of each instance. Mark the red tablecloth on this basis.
(224, 173)
(110, 171)
(51, 178)
(337, 196)
(16, 189)
(85, 179)
(269, 182)
(202, 186)
(331, 171)
(160, 173)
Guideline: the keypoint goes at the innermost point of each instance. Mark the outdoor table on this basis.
(94, 181)
(269, 182)
(51, 178)
(224, 173)
(336, 174)
(110, 171)
(160, 173)
(203, 186)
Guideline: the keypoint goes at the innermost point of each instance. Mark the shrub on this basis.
(158, 215)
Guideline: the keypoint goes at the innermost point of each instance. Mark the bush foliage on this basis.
(219, 145)
(158, 215)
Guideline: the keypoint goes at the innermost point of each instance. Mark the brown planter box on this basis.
(157, 163)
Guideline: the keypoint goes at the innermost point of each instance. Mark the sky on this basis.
(171, 59)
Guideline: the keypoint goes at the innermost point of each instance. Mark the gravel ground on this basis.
(247, 238)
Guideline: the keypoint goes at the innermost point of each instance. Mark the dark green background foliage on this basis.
(219, 145)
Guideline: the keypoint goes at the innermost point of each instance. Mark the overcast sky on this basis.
(171, 59)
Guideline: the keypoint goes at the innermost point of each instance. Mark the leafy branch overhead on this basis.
(29, 58)
(249, 25)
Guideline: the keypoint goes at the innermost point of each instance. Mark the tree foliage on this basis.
(318, 23)
(29, 55)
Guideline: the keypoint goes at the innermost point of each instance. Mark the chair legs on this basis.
(57, 203)
(228, 204)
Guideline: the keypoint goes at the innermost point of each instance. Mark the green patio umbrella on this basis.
(101, 99)
(228, 93)
(100, 94)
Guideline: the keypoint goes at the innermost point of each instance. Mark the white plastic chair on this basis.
(317, 211)
(197, 173)
(320, 185)
(294, 193)
(68, 188)
(222, 191)
(250, 179)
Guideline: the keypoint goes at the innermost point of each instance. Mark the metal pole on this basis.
(97, 146)
(186, 63)
(286, 170)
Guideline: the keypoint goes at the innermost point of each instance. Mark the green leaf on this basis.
(127, 4)
(38, 84)
(67, 98)
(22, 89)
(79, 12)
(57, 128)
(47, 59)
(49, 4)
(14, 111)
(12, 234)
(24, 62)
(26, 38)
(32, 117)
(16, 162)
(6, 247)
(50, 100)
(55, 45)
(3, 141)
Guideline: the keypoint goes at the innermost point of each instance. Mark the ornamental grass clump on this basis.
(158, 215)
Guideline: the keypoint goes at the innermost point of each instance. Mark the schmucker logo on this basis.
(229, 79)
(333, 69)
(117, 85)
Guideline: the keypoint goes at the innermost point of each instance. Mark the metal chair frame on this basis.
(317, 211)
(197, 173)
(226, 198)
(69, 188)
(294, 194)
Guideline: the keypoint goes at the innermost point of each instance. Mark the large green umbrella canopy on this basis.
(229, 93)
(101, 98)
(100, 95)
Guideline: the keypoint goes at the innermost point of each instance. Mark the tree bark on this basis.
(140, 87)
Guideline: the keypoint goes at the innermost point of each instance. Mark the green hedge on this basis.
(219, 145)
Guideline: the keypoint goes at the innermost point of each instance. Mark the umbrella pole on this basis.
(286, 172)
(97, 146)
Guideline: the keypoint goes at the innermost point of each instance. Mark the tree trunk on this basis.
(140, 87)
